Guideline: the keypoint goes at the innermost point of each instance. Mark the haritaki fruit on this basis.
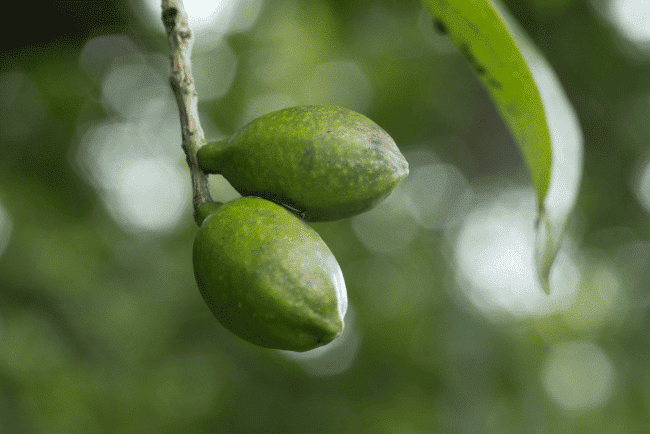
(325, 163)
(267, 276)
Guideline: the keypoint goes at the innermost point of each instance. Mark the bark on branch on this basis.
(181, 40)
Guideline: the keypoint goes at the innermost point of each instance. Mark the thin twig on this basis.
(182, 82)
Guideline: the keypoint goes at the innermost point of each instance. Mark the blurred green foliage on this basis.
(102, 328)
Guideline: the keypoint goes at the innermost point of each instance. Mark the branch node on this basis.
(169, 19)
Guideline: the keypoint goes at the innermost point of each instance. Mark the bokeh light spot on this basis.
(149, 194)
(140, 190)
(495, 263)
(641, 185)
(210, 20)
(388, 227)
(578, 375)
(438, 193)
(136, 91)
(632, 18)
(99, 53)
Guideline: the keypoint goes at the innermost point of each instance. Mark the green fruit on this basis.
(326, 163)
(267, 276)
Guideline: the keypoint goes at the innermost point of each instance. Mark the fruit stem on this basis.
(209, 156)
(181, 40)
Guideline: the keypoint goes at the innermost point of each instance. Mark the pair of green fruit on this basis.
(265, 274)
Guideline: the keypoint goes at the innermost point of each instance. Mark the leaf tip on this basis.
(545, 250)
(545, 284)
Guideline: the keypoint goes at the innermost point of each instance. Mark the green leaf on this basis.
(533, 104)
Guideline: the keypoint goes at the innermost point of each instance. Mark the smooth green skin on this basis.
(268, 277)
(326, 163)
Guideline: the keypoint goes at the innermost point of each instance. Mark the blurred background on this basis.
(102, 328)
